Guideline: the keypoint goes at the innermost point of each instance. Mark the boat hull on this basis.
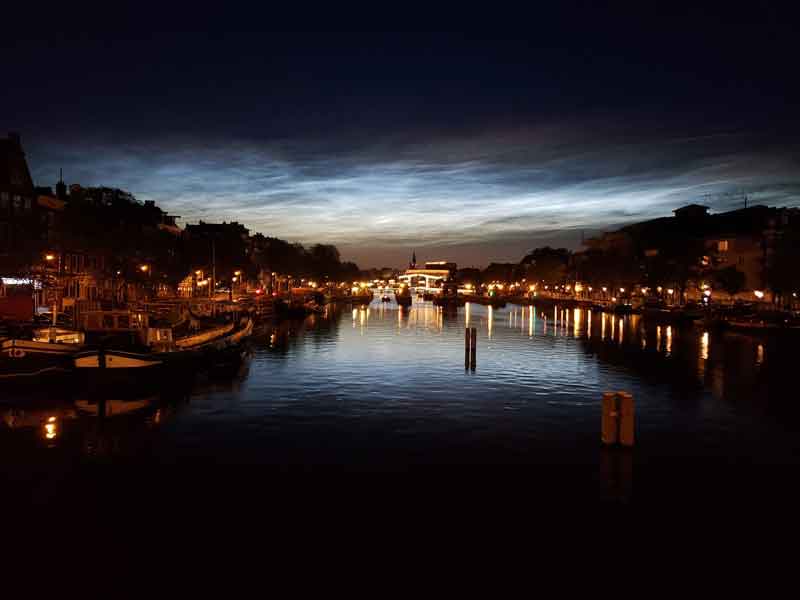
(34, 362)
(105, 368)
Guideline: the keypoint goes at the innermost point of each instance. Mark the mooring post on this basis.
(101, 365)
(626, 419)
(466, 347)
(617, 423)
(473, 348)
(609, 423)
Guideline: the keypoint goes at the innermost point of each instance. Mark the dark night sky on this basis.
(472, 147)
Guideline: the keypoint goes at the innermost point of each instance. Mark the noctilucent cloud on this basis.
(475, 197)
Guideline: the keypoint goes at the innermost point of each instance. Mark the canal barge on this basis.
(45, 358)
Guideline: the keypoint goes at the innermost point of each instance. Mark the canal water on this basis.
(386, 387)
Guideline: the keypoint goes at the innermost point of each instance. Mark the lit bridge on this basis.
(424, 280)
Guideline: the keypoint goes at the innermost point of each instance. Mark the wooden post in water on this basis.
(101, 364)
(466, 347)
(473, 348)
(626, 419)
(617, 423)
(609, 423)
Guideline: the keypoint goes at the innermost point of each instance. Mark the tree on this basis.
(730, 279)
(678, 262)
(545, 264)
(782, 273)
(469, 275)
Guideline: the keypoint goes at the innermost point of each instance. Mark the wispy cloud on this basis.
(476, 194)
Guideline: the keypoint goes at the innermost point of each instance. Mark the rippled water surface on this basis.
(388, 384)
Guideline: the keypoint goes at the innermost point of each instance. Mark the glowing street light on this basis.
(759, 294)
(49, 257)
(144, 268)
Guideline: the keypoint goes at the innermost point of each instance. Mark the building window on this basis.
(722, 246)
(4, 198)
(651, 252)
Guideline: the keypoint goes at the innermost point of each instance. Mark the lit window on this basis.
(722, 246)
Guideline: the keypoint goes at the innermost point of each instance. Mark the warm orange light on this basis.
(144, 268)
(49, 257)
(51, 429)
(237, 273)
(759, 294)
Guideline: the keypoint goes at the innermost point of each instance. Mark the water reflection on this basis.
(531, 320)
(347, 378)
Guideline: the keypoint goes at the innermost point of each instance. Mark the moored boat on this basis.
(112, 365)
(47, 356)
(403, 296)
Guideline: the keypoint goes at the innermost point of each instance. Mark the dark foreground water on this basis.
(385, 390)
